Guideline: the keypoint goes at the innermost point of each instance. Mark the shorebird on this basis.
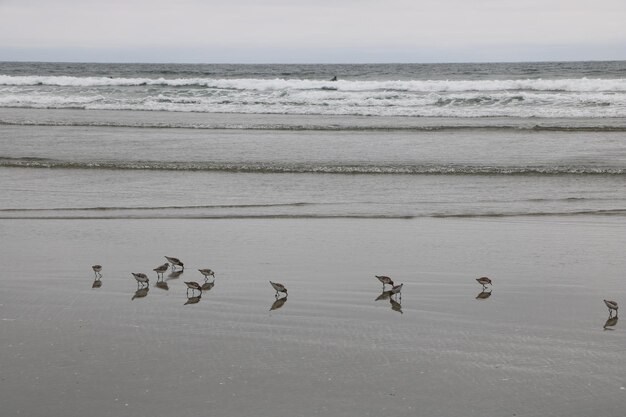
(193, 286)
(141, 278)
(160, 270)
(483, 281)
(96, 270)
(612, 305)
(278, 287)
(385, 280)
(207, 272)
(175, 262)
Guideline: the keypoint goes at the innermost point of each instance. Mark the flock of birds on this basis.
(395, 291)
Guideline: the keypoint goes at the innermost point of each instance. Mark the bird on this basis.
(612, 305)
(96, 270)
(483, 281)
(207, 272)
(175, 262)
(141, 278)
(191, 285)
(278, 287)
(160, 270)
(385, 280)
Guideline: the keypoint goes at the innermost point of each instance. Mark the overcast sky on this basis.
(333, 31)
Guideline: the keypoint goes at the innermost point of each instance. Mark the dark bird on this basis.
(483, 281)
(96, 270)
(175, 262)
(612, 305)
(141, 278)
(160, 270)
(385, 280)
(207, 273)
(278, 287)
(193, 286)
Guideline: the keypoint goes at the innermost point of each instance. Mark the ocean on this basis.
(386, 140)
(433, 175)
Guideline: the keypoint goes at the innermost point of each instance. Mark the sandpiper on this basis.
(96, 270)
(484, 281)
(612, 305)
(207, 273)
(278, 287)
(175, 262)
(160, 270)
(385, 280)
(191, 285)
(141, 278)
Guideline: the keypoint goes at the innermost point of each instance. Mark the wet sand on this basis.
(535, 347)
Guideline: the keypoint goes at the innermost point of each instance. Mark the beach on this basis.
(433, 175)
(535, 347)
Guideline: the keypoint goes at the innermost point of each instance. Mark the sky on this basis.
(312, 31)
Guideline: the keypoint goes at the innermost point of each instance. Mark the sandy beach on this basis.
(536, 347)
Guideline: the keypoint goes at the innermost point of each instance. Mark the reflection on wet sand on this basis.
(174, 274)
(194, 299)
(162, 285)
(141, 292)
(383, 296)
(207, 286)
(396, 305)
(483, 295)
(610, 322)
(96, 283)
(278, 303)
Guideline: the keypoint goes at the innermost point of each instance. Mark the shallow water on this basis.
(535, 347)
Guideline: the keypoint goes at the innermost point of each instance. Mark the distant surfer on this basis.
(334, 78)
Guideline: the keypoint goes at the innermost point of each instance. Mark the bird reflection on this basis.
(610, 322)
(396, 305)
(278, 303)
(207, 286)
(483, 295)
(141, 292)
(96, 283)
(383, 296)
(162, 285)
(194, 299)
(174, 274)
